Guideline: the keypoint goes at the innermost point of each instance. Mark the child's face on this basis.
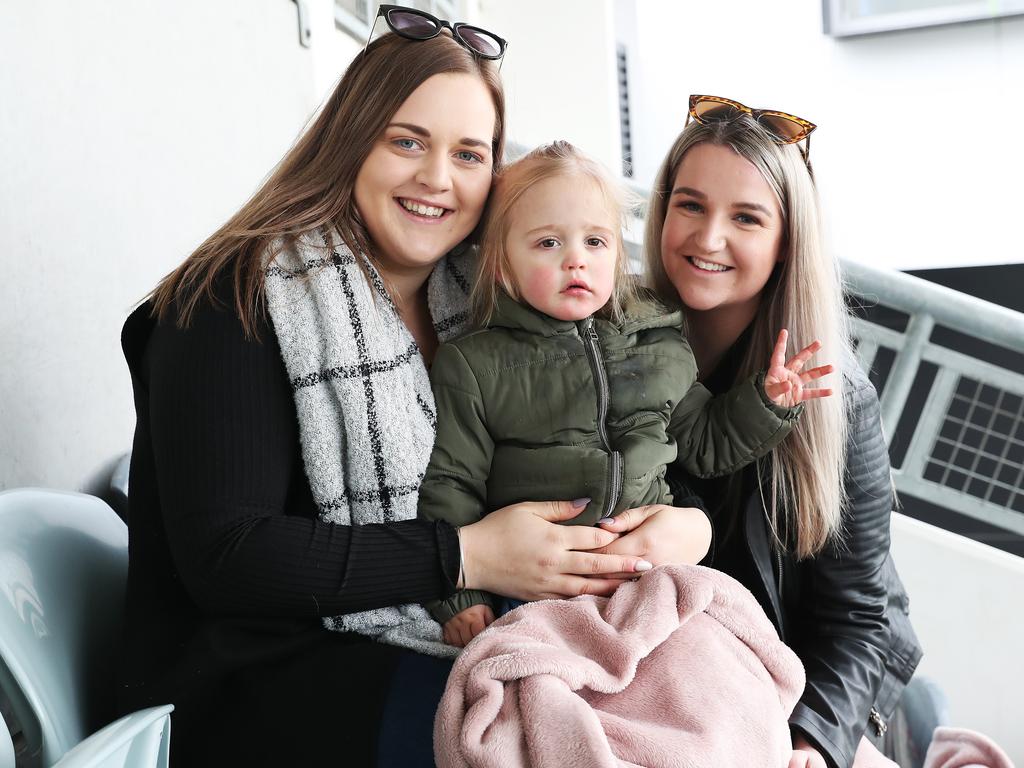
(562, 246)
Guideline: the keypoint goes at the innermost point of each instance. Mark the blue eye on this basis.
(692, 207)
(406, 143)
(744, 218)
(469, 157)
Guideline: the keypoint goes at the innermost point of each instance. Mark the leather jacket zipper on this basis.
(593, 350)
(875, 718)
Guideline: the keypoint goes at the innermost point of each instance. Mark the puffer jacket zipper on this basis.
(593, 350)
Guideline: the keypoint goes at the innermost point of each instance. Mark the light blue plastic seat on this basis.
(140, 739)
(63, 567)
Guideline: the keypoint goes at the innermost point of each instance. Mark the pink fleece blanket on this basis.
(681, 668)
(961, 748)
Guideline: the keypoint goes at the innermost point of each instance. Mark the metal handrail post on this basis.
(901, 378)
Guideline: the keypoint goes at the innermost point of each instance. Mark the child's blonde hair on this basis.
(494, 272)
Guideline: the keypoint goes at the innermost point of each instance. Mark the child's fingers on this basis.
(488, 616)
(816, 373)
(778, 389)
(810, 394)
(451, 634)
(800, 359)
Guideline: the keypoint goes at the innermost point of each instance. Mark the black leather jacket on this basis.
(845, 611)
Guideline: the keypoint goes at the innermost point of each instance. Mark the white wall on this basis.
(559, 72)
(128, 133)
(965, 601)
(917, 151)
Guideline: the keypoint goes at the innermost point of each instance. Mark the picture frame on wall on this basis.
(848, 18)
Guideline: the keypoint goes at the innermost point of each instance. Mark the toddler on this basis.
(578, 385)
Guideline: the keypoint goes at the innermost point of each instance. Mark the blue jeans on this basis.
(406, 738)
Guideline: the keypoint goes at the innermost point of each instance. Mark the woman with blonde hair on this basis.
(284, 419)
(733, 238)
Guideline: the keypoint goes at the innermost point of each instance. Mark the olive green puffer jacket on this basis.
(532, 408)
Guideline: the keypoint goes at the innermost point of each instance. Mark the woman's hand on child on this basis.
(519, 551)
(660, 534)
(467, 624)
(784, 384)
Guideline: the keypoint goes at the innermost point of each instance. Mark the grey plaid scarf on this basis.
(366, 412)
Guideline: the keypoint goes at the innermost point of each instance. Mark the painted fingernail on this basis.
(605, 520)
(642, 565)
(580, 503)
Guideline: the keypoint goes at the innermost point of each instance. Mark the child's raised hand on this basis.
(784, 384)
(467, 624)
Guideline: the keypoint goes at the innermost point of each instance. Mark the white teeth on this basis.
(707, 265)
(422, 210)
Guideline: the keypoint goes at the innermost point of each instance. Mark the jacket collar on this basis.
(515, 315)
(639, 315)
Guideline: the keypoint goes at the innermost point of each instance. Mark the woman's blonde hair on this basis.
(804, 294)
(494, 271)
(313, 184)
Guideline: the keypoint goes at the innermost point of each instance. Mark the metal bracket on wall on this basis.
(305, 33)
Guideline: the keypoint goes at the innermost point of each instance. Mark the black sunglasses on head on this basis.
(414, 24)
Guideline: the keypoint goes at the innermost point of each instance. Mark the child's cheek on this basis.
(605, 282)
(542, 281)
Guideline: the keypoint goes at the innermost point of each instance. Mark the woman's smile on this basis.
(707, 266)
(423, 211)
(723, 232)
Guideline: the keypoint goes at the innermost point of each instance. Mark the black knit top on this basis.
(229, 565)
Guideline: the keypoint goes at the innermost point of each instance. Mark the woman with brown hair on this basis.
(285, 419)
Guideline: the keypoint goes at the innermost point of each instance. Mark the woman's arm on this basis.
(242, 528)
(240, 523)
(840, 631)
(717, 435)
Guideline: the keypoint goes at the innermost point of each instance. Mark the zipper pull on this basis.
(875, 718)
(587, 329)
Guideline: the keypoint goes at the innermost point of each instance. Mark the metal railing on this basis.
(966, 451)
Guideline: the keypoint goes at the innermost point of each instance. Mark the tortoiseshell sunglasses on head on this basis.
(783, 127)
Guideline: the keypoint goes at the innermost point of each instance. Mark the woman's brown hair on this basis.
(313, 184)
